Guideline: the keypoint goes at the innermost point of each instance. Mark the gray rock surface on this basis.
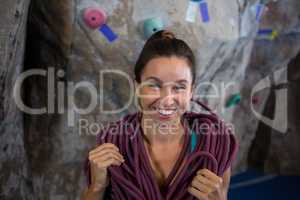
(14, 165)
(42, 155)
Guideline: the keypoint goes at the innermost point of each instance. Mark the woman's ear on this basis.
(192, 91)
(137, 88)
(137, 100)
(136, 85)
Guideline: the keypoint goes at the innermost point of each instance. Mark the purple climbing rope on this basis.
(134, 179)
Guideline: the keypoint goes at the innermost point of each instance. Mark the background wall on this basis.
(42, 155)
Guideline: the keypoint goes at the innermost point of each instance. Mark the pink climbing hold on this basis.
(94, 17)
(255, 100)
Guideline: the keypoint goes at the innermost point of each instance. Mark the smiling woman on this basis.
(163, 152)
(166, 89)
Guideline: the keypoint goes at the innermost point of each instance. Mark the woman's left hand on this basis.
(206, 185)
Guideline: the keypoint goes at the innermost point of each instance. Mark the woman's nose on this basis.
(167, 97)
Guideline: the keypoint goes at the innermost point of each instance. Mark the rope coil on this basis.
(134, 179)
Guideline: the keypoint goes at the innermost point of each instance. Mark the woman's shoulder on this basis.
(125, 126)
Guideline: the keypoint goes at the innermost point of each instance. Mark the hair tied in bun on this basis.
(168, 35)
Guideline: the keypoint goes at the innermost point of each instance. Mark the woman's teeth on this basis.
(166, 112)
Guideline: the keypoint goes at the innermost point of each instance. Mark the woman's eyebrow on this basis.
(154, 78)
(182, 81)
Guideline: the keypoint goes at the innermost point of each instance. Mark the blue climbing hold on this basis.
(204, 11)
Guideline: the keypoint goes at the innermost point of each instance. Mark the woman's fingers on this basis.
(204, 184)
(197, 193)
(109, 156)
(105, 153)
(101, 158)
(210, 175)
(103, 146)
(108, 162)
(206, 181)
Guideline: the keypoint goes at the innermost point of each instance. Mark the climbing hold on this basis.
(259, 11)
(204, 11)
(151, 26)
(192, 9)
(94, 17)
(274, 35)
(265, 31)
(269, 33)
(255, 100)
(233, 100)
(108, 33)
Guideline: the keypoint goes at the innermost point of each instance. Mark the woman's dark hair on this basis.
(164, 44)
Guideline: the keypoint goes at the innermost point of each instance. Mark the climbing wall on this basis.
(242, 47)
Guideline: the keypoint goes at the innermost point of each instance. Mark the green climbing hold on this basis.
(234, 100)
(151, 26)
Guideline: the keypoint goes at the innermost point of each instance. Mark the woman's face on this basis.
(165, 89)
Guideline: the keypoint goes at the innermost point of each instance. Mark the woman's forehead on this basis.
(167, 69)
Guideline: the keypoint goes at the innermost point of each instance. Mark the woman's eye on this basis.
(179, 87)
(153, 85)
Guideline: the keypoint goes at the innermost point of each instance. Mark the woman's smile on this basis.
(165, 114)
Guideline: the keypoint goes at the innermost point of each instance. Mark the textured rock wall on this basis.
(272, 149)
(54, 168)
(42, 155)
(14, 167)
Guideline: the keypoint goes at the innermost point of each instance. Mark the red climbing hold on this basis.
(255, 100)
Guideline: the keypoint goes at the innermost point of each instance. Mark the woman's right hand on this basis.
(101, 158)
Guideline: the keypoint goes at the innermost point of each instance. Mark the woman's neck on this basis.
(162, 132)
